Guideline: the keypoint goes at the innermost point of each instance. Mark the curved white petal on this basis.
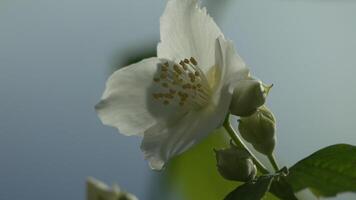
(233, 67)
(187, 31)
(229, 68)
(127, 102)
(165, 140)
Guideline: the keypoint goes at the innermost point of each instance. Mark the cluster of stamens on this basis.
(183, 82)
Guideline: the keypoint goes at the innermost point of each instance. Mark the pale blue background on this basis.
(56, 55)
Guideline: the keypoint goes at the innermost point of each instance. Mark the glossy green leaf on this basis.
(327, 172)
(251, 190)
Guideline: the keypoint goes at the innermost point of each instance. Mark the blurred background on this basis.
(55, 57)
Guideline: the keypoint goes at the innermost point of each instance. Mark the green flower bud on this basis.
(97, 190)
(259, 130)
(248, 95)
(235, 164)
(126, 196)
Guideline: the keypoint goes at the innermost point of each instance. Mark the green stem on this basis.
(237, 140)
(273, 161)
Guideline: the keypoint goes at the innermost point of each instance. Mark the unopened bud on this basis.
(127, 196)
(99, 190)
(248, 95)
(235, 164)
(259, 130)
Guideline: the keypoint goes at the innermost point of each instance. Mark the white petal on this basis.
(165, 140)
(234, 68)
(188, 31)
(127, 102)
(229, 68)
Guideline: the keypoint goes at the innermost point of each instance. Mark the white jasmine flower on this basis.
(97, 190)
(176, 99)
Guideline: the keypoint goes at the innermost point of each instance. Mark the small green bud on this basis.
(247, 96)
(126, 196)
(235, 164)
(97, 190)
(259, 130)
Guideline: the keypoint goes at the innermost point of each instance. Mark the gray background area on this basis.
(55, 57)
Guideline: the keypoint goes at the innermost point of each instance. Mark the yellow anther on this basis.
(176, 69)
(183, 65)
(182, 84)
(192, 77)
(193, 61)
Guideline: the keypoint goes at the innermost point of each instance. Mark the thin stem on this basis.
(237, 140)
(273, 161)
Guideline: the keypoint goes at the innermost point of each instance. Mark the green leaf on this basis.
(251, 190)
(282, 189)
(327, 172)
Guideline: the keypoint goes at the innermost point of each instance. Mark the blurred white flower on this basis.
(97, 190)
(176, 99)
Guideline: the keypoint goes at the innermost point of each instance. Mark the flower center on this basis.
(184, 83)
